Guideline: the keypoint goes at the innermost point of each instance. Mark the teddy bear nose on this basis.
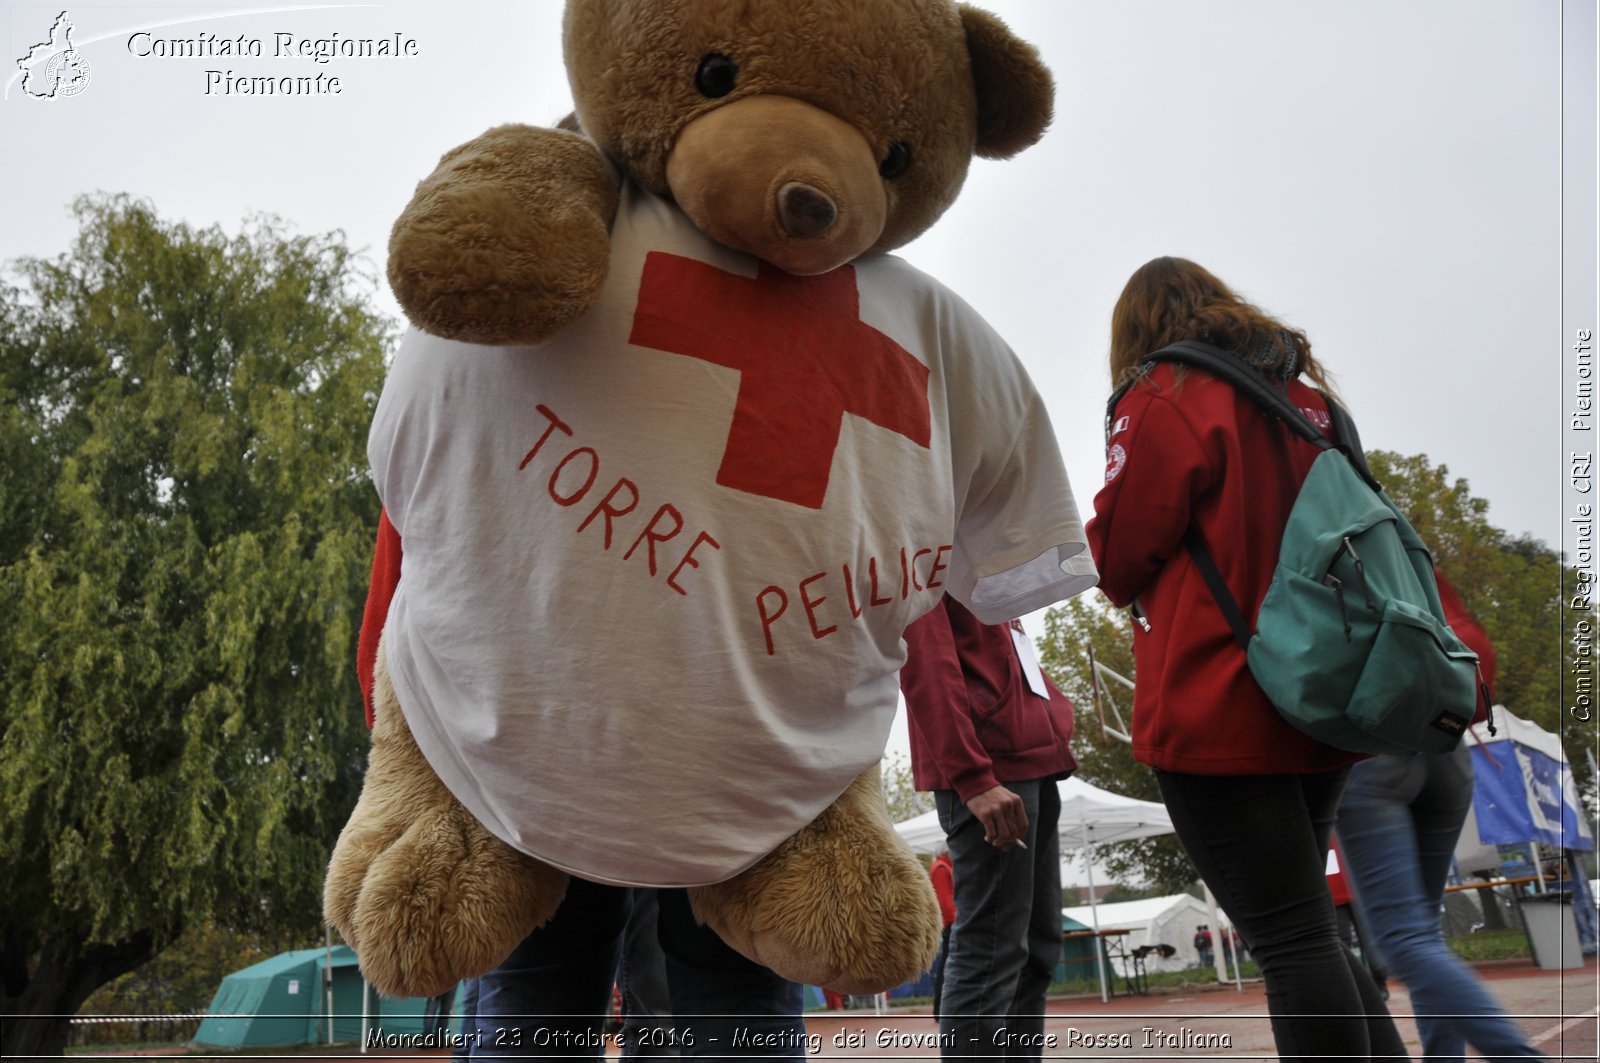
(804, 211)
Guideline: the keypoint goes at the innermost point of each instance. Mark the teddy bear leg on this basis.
(842, 904)
(416, 885)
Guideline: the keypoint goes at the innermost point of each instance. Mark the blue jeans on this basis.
(1261, 844)
(1398, 825)
(1006, 940)
(642, 977)
(549, 997)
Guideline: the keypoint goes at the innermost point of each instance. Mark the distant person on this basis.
(989, 737)
(1398, 824)
(942, 872)
(1252, 799)
(1202, 945)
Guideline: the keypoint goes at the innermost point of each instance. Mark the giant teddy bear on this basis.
(674, 454)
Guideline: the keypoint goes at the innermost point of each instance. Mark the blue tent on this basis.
(1524, 792)
(1524, 788)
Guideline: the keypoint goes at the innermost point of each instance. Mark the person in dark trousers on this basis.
(1252, 799)
(1202, 945)
(536, 1003)
(1398, 824)
(989, 736)
(647, 1028)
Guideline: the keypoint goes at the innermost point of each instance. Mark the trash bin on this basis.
(1553, 930)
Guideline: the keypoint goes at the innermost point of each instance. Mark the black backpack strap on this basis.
(1229, 606)
(1116, 397)
(1350, 441)
(1235, 370)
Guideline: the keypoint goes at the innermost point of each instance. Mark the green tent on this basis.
(284, 1001)
(1077, 955)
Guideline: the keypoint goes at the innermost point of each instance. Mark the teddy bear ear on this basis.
(1016, 93)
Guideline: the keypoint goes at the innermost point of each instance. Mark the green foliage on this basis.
(899, 793)
(1485, 945)
(1086, 628)
(181, 980)
(185, 529)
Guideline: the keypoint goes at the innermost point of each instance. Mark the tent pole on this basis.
(1218, 963)
(1094, 915)
(327, 974)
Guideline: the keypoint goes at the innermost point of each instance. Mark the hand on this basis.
(1004, 818)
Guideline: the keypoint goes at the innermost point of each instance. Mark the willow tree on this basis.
(185, 525)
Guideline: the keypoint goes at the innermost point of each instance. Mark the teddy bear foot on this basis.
(416, 885)
(842, 904)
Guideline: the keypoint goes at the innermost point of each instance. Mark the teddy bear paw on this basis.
(435, 901)
(842, 904)
(508, 241)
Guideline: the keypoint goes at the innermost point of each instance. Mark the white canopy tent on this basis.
(1090, 816)
(1170, 920)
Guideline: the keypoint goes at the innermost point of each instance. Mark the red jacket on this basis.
(1468, 630)
(380, 591)
(1201, 452)
(974, 722)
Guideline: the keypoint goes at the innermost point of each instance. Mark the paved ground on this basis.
(1557, 1008)
(1560, 1009)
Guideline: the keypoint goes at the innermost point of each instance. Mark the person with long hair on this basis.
(1252, 799)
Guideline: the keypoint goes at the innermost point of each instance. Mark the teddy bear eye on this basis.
(716, 76)
(895, 162)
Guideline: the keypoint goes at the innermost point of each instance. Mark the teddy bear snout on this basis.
(804, 211)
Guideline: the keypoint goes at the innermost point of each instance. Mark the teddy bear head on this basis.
(804, 132)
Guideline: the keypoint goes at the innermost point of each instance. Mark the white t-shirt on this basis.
(656, 571)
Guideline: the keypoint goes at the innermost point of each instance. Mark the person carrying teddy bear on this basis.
(671, 458)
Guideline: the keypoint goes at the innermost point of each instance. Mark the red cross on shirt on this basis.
(805, 359)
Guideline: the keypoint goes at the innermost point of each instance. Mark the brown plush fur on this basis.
(424, 894)
(507, 243)
(508, 240)
(843, 903)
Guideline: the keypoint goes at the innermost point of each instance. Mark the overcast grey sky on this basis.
(1386, 174)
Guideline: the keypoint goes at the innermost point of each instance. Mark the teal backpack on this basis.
(1351, 644)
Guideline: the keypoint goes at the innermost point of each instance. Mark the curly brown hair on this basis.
(1170, 299)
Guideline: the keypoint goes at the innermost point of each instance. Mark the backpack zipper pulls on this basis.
(1338, 592)
(1361, 571)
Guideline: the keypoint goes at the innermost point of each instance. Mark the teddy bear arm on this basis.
(508, 240)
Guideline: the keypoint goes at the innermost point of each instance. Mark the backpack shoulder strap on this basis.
(1236, 371)
(1350, 441)
(1200, 553)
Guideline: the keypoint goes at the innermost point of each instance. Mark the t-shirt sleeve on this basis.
(1020, 544)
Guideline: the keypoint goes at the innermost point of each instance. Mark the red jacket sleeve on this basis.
(1155, 467)
(380, 592)
(935, 690)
